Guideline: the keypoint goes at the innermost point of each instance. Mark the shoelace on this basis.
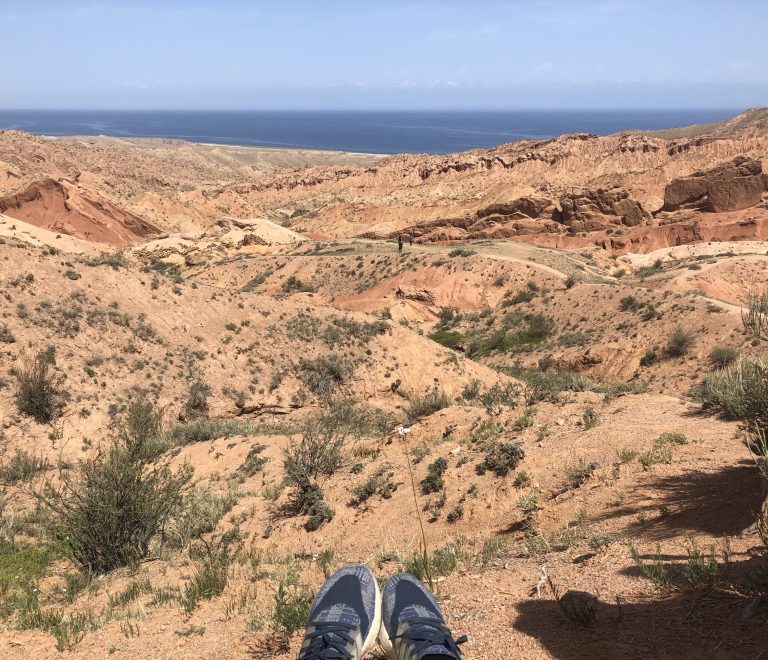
(424, 632)
(329, 641)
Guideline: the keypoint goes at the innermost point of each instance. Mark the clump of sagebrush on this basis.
(680, 342)
(434, 482)
(22, 467)
(577, 473)
(738, 392)
(755, 318)
(318, 454)
(110, 508)
(723, 356)
(323, 374)
(590, 417)
(423, 406)
(501, 458)
(37, 394)
(196, 404)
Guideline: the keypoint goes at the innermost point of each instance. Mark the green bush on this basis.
(210, 578)
(196, 404)
(448, 338)
(293, 284)
(322, 375)
(501, 458)
(680, 342)
(204, 430)
(461, 252)
(424, 406)
(577, 473)
(23, 466)
(37, 394)
(6, 336)
(723, 356)
(433, 482)
(107, 514)
(738, 392)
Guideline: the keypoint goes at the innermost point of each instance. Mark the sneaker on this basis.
(412, 626)
(345, 616)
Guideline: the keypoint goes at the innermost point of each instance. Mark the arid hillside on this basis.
(220, 380)
(627, 192)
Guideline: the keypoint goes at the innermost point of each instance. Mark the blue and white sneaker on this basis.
(345, 616)
(412, 626)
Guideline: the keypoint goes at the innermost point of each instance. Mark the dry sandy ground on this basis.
(251, 270)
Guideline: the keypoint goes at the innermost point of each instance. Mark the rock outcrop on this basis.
(63, 207)
(592, 210)
(733, 186)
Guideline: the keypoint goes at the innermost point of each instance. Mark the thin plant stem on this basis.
(424, 551)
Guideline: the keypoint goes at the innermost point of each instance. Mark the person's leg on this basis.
(345, 616)
(412, 625)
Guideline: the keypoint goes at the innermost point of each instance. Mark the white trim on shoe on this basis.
(373, 633)
(386, 643)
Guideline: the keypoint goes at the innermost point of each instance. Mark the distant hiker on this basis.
(399, 242)
(410, 238)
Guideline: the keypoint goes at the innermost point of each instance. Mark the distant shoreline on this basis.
(351, 132)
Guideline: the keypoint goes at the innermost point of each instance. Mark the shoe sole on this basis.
(386, 643)
(376, 623)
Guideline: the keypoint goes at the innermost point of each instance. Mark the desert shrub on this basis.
(253, 462)
(571, 339)
(318, 454)
(535, 328)
(198, 514)
(738, 392)
(293, 284)
(755, 318)
(196, 404)
(577, 473)
(651, 356)
(107, 514)
(204, 430)
(522, 296)
(290, 611)
(498, 395)
(447, 338)
(629, 303)
(680, 342)
(115, 260)
(6, 336)
(443, 562)
(590, 417)
(380, 484)
(455, 514)
(647, 271)
(424, 406)
(143, 424)
(210, 577)
(433, 482)
(461, 252)
(528, 504)
(471, 390)
(256, 281)
(323, 374)
(37, 394)
(723, 356)
(502, 458)
(571, 281)
(348, 417)
(22, 466)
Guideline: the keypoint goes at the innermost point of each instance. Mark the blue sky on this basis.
(297, 54)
